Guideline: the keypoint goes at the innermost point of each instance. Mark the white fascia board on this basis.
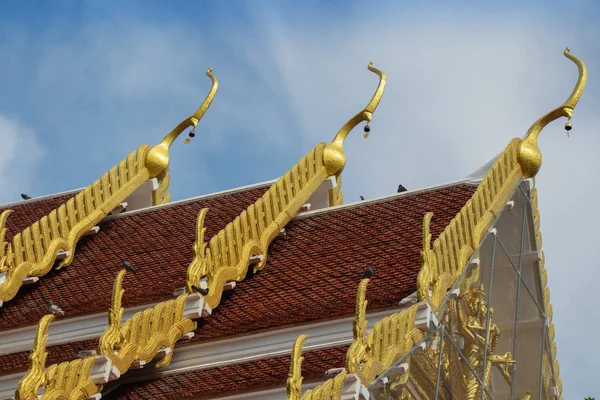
(383, 199)
(352, 390)
(259, 346)
(79, 328)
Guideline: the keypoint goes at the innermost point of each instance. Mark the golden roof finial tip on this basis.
(529, 155)
(333, 155)
(157, 159)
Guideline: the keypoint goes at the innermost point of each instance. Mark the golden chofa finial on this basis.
(529, 154)
(157, 159)
(334, 156)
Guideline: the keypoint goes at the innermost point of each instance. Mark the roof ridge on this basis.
(207, 196)
(383, 199)
(41, 198)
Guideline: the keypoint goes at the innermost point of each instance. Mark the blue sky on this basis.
(85, 83)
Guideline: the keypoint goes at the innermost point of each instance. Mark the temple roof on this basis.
(27, 212)
(157, 240)
(230, 379)
(323, 253)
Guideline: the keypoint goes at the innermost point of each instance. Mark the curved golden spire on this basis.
(157, 159)
(529, 154)
(334, 156)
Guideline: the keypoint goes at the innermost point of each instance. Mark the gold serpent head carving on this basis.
(529, 154)
(35, 377)
(333, 155)
(112, 334)
(197, 268)
(428, 262)
(358, 348)
(294, 381)
(157, 159)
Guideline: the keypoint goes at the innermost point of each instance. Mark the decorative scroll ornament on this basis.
(33, 252)
(434, 285)
(371, 354)
(329, 390)
(229, 253)
(141, 337)
(294, 381)
(35, 378)
(530, 156)
(68, 380)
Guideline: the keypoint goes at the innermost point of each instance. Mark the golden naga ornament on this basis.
(33, 252)
(226, 258)
(35, 378)
(147, 335)
(67, 380)
(329, 390)
(529, 155)
(141, 336)
(372, 354)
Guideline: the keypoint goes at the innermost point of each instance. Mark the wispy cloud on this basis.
(20, 153)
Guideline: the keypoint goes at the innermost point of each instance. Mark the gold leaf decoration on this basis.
(371, 354)
(71, 380)
(442, 263)
(294, 381)
(68, 380)
(139, 339)
(228, 254)
(141, 336)
(33, 252)
(35, 378)
(330, 389)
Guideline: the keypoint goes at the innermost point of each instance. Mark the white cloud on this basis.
(20, 153)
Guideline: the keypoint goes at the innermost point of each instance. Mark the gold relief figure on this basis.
(471, 314)
(503, 363)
